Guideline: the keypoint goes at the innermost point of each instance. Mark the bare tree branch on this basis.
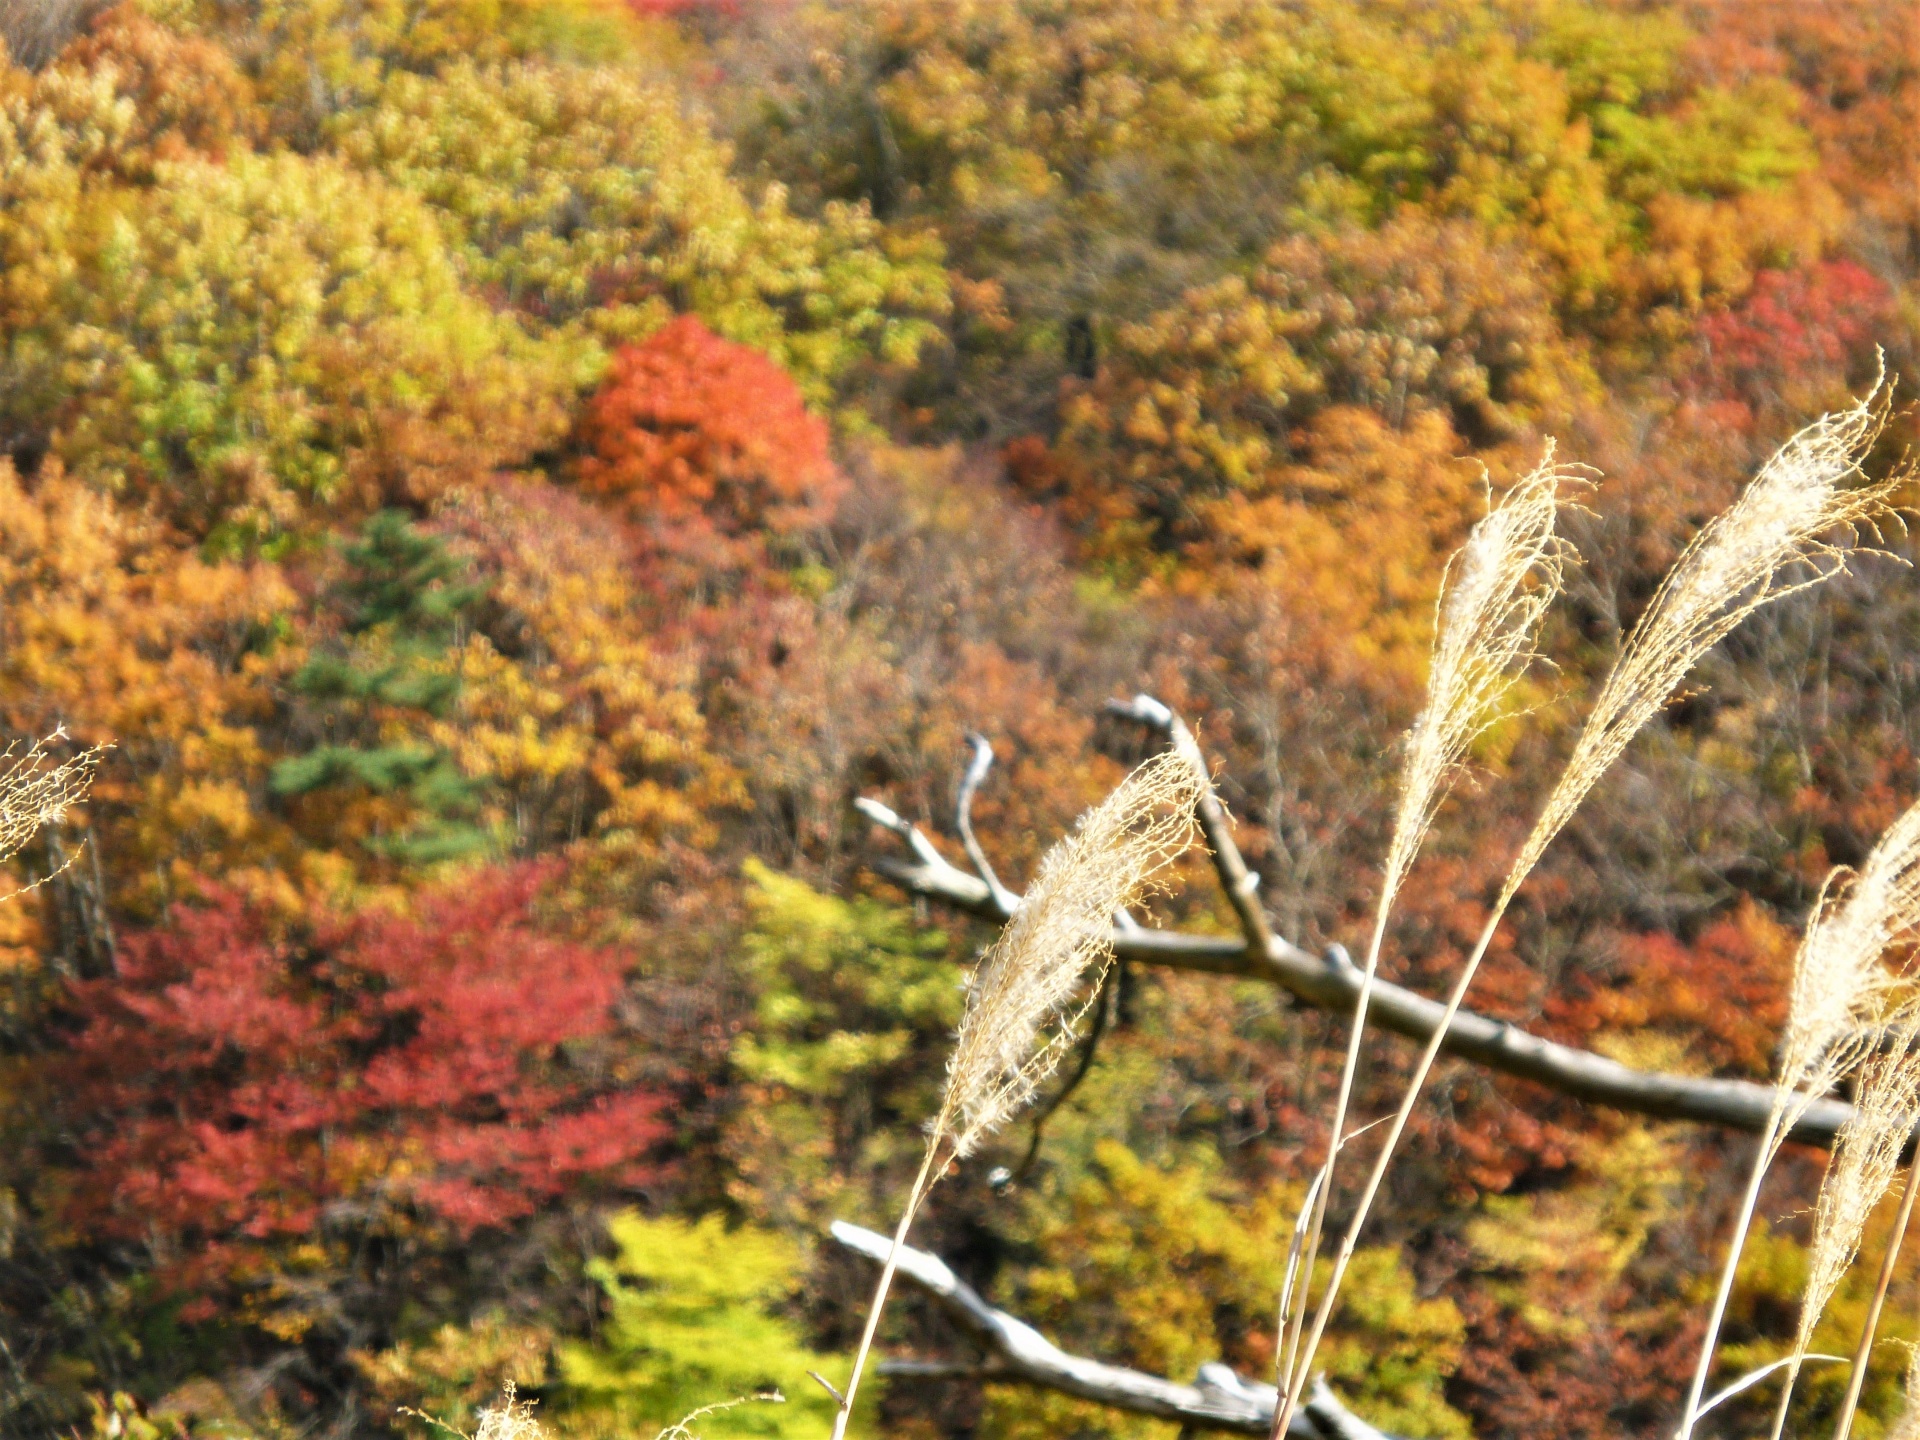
(1239, 882)
(1333, 983)
(970, 782)
(1218, 1399)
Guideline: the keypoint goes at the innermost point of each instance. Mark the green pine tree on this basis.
(401, 603)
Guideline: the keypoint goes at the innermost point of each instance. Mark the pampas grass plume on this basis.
(1742, 559)
(1771, 542)
(1840, 983)
(1866, 1157)
(1497, 589)
(1838, 976)
(1022, 1007)
(1906, 1425)
(511, 1419)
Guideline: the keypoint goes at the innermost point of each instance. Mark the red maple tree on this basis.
(450, 1068)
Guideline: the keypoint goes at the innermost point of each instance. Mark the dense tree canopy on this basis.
(504, 475)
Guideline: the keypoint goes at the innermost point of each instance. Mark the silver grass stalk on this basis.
(1024, 1007)
(1866, 1157)
(1838, 983)
(511, 1419)
(1497, 589)
(1870, 1326)
(1770, 543)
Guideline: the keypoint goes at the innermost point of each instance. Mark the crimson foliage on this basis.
(438, 1069)
(1796, 331)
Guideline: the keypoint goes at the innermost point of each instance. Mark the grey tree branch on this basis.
(1239, 882)
(1333, 983)
(970, 782)
(1018, 1354)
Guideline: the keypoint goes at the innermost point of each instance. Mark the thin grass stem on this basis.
(1743, 1222)
(922, 1183)
(1863, 1351)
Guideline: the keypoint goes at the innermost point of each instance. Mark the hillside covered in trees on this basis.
(504, 477)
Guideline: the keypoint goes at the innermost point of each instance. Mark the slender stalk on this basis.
(1857, 1380)
(1748, 1203)
(1293, 1319)
(922, 1183)
(1498, 587)
(1296, 1388)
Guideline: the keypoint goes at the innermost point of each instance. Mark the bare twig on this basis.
(970, 783)
(1218, 1399)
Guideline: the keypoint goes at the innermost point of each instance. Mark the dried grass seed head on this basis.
(36, 792)
(1773, 541)
(1840, 977)
(1866, 1158)
(1023, 1004)
(1498, 587)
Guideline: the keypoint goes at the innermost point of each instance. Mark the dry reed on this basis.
(1742, 559)
(1870, 1326)
(1839, 984)
(682, 1429)
(1866, 1158)
(1023, 1007)
(1497, 589)
(511, 1419)
(35, 792)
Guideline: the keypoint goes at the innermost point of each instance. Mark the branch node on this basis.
(970, 781)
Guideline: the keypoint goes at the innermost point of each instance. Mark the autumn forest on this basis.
(588, 549)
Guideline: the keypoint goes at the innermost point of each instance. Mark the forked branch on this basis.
(970, 782)
(1017, 1354)
(1333, 983)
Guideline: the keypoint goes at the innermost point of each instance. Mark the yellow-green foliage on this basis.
(289, 315)
(692, 1320)
(1557, 1257)
(250, 335)
(587, 197)
(314, 58)
(1088, 164)
(246, 317)
(854, 1008)
(1183, 1266)
(845, 986)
